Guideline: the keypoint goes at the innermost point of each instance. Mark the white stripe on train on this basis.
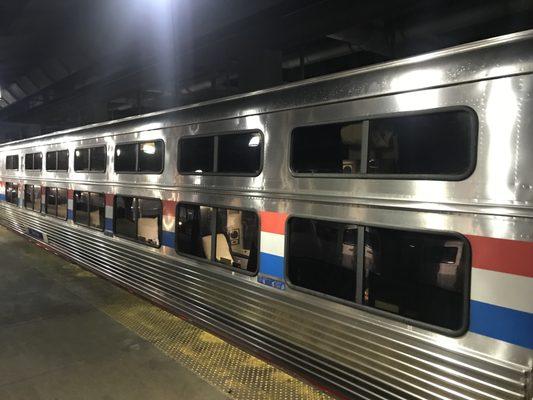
(501, 289)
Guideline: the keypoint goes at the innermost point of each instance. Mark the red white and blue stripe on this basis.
(501, 305)
(272, 249)
(70, 204)
(501, 295)
(168, 238)
(108, 221)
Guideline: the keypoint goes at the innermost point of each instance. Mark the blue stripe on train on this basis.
(168, 239)
(2, 197)
(70, 214)
(272, 265)
(502, 323)
(109, 224)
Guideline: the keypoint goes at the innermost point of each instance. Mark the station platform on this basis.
(67, 334)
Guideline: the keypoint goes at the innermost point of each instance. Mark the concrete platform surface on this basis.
(55, 345)
(66, 334)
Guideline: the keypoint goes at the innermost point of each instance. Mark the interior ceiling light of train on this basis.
(65, 64)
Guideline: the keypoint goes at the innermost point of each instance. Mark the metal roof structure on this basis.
(68, 64)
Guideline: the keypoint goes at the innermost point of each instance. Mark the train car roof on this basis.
(492, 58)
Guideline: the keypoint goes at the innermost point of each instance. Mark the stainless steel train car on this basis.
(370, 230)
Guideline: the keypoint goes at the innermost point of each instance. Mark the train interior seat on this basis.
(95, 218)
(352, 138)
(148, 229)
(223, 250)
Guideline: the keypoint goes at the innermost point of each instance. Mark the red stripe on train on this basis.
(169, 208)
(502, 255)
(273, 222)
(70, 194)
(109, 199)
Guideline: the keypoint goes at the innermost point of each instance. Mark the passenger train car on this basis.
(370, 230)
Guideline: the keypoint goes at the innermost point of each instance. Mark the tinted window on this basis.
(33, 161)
(51, 161)
(125, 217)
(98, 159)
(81, 160)
(12, 193)
(231, 241)
(415, 275)
(51, 201)
(333, 148)
(97, 210)
(28, 161)
(38, 161)
(126, 157)
(28, 196)
(62, 160)
(56, 202)
(429, 144)
(239, 153)
(37, 198)
(148, 221)
(89, 209)
(90, 159)
(236, 238)
(196, 154)
(432, 145)
(323, 257)
(140, 157)
(81, 207)
(193, 225)
(151, 156)
(32, 197)
(138, 219)
(236, 153)
(62, 203)
(57, 160)
(12, 162)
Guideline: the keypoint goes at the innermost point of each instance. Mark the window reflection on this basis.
(322, 257)
(232, 240)
(415, 275)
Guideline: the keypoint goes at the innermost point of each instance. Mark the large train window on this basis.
(33, 161)
(141, 157)
(440, 145)
(32, 197)
(89, 209)
(323, 256)
(420, 276)
(138, 219)
(12, 162)
(57, 160)
(223, 154)
(196, 155)
(12, 193)
(90, 159)
(224, 236)
(56, 202)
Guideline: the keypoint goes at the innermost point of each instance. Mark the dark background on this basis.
(66, 63)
